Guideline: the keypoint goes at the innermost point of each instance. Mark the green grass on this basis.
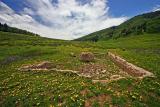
(52, 88)
(145, 41)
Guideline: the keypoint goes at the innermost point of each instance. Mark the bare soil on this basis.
(92, 69)
(101, 99)
(85, 92)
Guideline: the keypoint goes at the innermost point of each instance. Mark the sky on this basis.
(71, 19)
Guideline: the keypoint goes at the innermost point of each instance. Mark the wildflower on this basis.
(134, 97)
(72, 98)
(38, 104)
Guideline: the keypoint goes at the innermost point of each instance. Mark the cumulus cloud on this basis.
(156, 8)
(64, 19)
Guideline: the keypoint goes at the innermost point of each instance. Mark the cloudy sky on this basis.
(70, 19)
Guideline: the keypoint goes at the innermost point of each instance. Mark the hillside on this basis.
(6, 28)
(145, 23)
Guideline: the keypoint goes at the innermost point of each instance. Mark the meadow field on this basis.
(53, 88)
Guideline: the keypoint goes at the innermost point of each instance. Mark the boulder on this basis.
(86, 56)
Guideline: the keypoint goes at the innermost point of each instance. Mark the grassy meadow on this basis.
(67, 89)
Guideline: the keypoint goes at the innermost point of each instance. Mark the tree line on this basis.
(6, 28)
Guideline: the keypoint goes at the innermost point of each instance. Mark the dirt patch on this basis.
(40, 66)
(101, 99)
(85, 92)
(91, 70)
(131, 69)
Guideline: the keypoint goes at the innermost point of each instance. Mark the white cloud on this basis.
(67, 19)
(156, 8)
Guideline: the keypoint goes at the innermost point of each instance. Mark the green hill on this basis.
(145, 23)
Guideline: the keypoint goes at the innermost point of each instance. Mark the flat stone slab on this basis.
(130, 68)
(112, 78)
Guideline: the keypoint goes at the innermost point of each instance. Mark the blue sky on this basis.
(70, 19)
(131, 7)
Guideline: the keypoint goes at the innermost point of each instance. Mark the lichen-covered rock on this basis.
(86, 56)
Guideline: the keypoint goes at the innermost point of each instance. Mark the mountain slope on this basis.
(145, 23)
